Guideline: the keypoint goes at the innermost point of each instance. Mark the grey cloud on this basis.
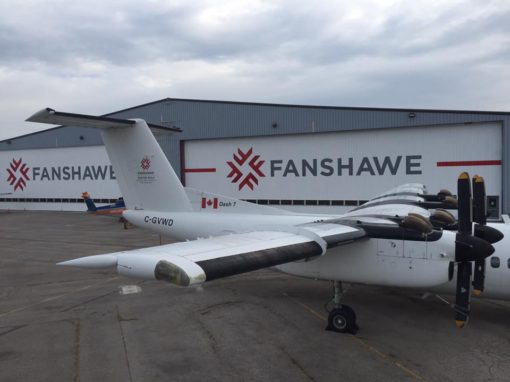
(284, 51)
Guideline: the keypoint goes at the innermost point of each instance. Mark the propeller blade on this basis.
(479, 277)
(480, 217)
(479, 201)
(464, 250)
(464, 204)
(463, 296)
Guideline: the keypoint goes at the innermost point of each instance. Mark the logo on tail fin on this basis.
(144, 174)
(145, 163)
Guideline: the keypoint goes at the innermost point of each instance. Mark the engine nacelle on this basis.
(173, 269)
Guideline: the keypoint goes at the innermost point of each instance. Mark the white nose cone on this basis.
(98, 261)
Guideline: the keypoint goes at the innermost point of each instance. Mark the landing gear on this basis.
(341, 318)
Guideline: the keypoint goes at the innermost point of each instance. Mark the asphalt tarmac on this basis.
(64, 324)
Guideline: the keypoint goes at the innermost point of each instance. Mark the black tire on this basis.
(342, 320)
(347, 308)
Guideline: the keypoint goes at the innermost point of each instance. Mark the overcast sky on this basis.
(96, 57)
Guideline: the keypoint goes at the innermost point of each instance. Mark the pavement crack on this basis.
(225, 361)
(208, 309)
(14, 328)
(95, 298)
(119, 320)
(296, 363)
(77, 335)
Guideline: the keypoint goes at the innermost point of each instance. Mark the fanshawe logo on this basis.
(246, 169)
(145, 163)
(18, 174)
(145, 175)
(210, 203)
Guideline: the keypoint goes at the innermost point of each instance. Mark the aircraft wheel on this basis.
(342, 320)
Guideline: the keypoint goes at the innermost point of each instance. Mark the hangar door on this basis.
(54, 179)
(344, 169)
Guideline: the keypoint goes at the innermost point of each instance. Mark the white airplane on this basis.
(393, 240)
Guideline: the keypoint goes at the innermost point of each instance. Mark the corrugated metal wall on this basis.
(216, 119)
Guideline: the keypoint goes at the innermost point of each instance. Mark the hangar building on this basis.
(306, 158)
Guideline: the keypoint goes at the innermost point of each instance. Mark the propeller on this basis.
(482, 231)
(479, 217)
(468, 249)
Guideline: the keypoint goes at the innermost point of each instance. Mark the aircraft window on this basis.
(495, 262)
(298, 202)
(351, 202)
(337, 202)
(311, 202)
(262, 201)
(508, 263)
(324, 202)
(286, 202)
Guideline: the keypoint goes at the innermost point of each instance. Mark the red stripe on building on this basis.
(199, 170)
(469, 163)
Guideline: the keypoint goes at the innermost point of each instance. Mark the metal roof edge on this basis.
(355, 108)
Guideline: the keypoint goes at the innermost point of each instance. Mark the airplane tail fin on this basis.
(91, 206)
(145, 177)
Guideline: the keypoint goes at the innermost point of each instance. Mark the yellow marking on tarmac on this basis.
(310, 310)
(57, 297)
(362, 342)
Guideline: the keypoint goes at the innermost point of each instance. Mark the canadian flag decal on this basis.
(210, 203)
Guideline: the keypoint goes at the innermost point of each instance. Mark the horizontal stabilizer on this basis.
(54, 117)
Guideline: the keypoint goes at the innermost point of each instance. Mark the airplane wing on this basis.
(197, 261)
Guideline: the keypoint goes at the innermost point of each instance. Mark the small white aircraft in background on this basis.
(393, 240)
